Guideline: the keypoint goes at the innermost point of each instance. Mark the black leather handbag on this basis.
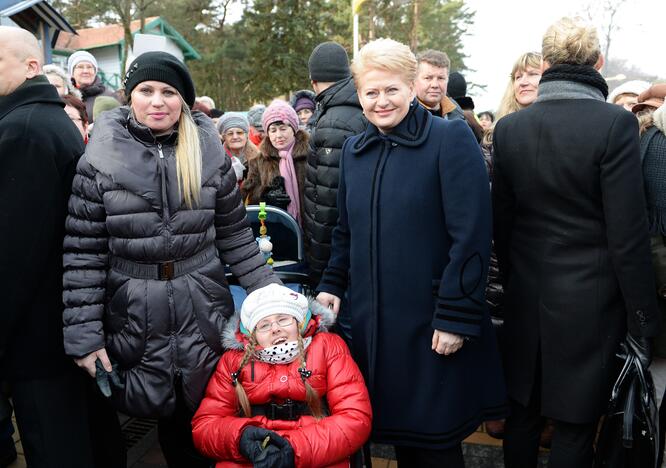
(629, 435)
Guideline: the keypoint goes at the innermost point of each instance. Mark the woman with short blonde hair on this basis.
(410, 251)
(572, 243)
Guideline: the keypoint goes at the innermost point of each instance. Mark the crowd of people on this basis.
(425, 225)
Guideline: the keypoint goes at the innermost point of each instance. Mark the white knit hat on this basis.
(272, 299)
(80, 56)
(629, 87)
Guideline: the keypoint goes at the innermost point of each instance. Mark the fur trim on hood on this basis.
(322, 320)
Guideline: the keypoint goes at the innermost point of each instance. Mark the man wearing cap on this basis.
(338, 116)
(432, 77)
(82, 67)
(39, 148)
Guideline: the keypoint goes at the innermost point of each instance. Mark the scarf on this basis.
(653, 156)
(288, 172)
(283, 353)
(565, 81)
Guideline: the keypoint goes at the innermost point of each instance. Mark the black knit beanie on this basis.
(163, 67)
(329, 63)
(457, 86)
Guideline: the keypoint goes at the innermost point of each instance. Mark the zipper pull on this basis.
(159, 149)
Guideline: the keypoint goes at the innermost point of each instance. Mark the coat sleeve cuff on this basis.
(458, 323)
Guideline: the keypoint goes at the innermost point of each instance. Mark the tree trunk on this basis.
(371, 21)
(414, 34)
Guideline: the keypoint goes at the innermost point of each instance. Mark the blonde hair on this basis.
(509, 104)
(645, 119)
(387, 55)
(311, 397)
(571, 41)
(188, 158)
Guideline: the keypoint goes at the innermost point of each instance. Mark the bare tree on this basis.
(605, 15)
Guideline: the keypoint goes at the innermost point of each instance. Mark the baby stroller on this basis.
(287, 254)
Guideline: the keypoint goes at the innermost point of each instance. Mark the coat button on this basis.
(641, 316)
(283, 379)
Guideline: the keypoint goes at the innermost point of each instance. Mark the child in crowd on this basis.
(287, 393)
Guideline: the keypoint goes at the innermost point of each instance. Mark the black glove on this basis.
(276, 194)
(641, 347)
(105, 380)
(276, 452)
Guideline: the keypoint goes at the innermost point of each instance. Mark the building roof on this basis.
(91, 38)
(28, 13)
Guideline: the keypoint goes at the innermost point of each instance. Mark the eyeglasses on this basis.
(282, 322)
(82, 66)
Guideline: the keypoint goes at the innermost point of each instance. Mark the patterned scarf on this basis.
(288, 172)
(283, 353)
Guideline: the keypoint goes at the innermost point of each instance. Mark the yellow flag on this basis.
(356, 6)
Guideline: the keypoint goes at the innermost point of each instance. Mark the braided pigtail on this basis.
(311, 396)
(243, 400)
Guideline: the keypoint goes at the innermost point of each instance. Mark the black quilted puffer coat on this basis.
(126, 210)
(339, 116)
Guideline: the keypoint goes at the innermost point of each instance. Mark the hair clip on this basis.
(305, 374)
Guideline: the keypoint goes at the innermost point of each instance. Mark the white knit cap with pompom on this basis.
(270, 300)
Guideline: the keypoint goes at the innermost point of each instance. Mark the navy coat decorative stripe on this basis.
(411, 249)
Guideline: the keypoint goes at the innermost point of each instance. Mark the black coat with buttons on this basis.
(572, 240)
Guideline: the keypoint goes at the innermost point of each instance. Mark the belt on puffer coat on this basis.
(163, 271)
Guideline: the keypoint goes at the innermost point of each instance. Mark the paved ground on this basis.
(480, 450)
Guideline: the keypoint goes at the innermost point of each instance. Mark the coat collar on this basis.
(124, 150)
(412, 131)
(341, 93)
(34, 91)
(445, 106)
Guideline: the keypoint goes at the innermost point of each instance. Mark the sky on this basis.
(504, 29)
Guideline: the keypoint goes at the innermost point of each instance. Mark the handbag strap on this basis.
(628, 416)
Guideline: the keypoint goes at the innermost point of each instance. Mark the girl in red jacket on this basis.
(287, 393)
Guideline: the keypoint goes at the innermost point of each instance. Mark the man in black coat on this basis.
(39, 148)
(572, 242)
(338, 116)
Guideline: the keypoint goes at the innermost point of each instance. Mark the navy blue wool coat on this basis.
(411, 248)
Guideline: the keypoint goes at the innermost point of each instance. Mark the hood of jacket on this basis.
(412, 131)
(342, 93)
(34, 91)
(299, 94)
(322, 320)
(126, 151)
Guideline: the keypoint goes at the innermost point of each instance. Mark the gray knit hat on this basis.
(329, 63)
(232, 120)
(255, 114)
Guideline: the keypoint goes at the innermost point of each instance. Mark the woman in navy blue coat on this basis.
(411, 249)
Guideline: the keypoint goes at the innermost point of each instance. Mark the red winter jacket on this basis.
(329, 442)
